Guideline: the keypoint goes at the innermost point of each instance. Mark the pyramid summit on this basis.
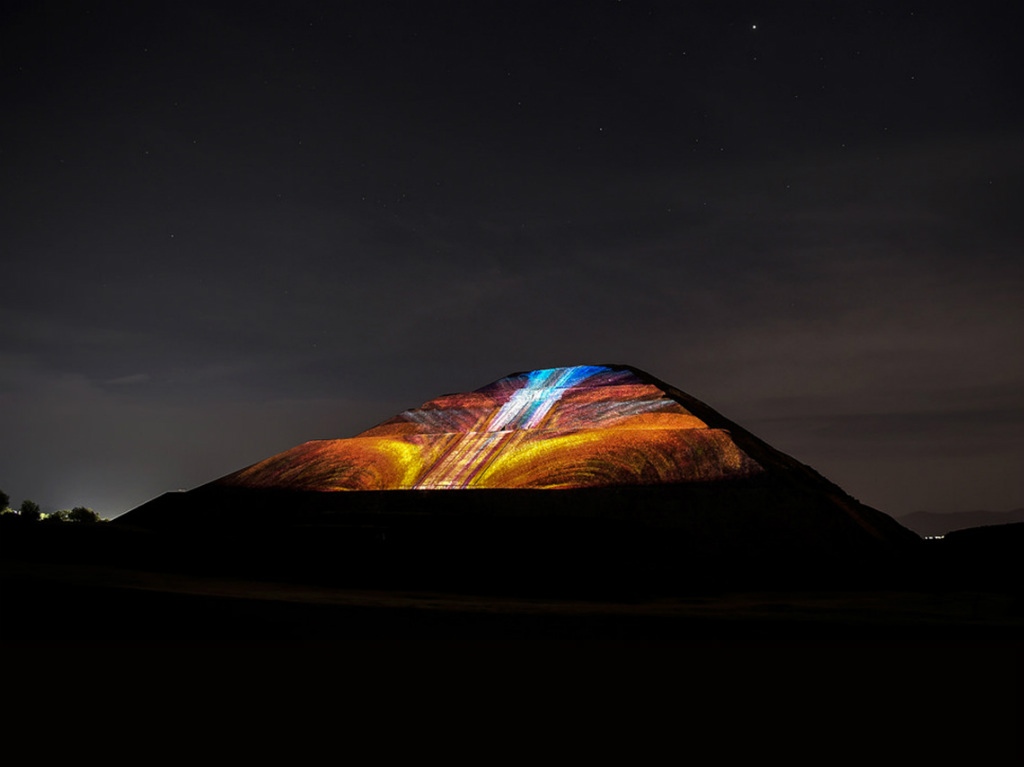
(567, 427)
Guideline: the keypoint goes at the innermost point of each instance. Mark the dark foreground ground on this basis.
(119, 651)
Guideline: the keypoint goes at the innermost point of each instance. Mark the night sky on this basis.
(229, 228)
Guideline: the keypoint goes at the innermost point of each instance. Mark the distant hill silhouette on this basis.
(938, 523)
(582, 470)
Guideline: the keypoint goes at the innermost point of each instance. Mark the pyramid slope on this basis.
(557, 428)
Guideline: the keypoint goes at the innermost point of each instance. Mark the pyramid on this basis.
(584, 474)
(557, 428)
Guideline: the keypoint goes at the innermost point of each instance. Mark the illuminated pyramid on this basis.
(570, 427)
(587, 474)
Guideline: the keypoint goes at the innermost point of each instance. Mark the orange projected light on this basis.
(580, 426)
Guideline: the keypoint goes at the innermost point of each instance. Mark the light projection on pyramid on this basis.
(581, 426)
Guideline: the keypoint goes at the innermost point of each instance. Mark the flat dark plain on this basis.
(159, 661)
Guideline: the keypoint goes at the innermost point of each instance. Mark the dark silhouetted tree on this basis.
(29, 510)
(5, 500)
(83, 515)
(80, 515)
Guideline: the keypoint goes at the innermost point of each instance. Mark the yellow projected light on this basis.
(582, 426)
